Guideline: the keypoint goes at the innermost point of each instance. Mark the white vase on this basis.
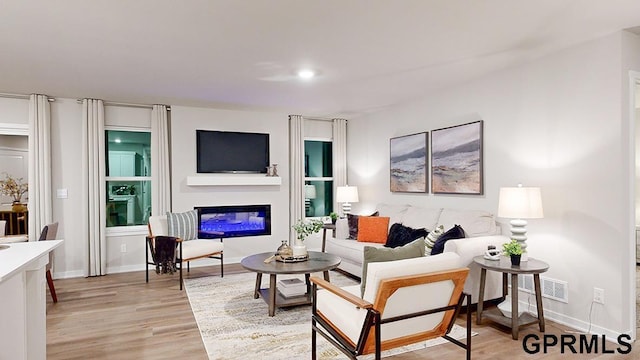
(299, 248)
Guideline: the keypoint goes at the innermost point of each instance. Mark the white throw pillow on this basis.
(431, 239)
(183, 225)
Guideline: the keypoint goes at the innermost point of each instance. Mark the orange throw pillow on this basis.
(373, 229)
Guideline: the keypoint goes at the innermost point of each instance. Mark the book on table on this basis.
(292, 287)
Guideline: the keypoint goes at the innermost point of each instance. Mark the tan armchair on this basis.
(405, 301)
(187, 250)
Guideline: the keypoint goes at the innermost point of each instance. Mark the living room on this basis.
(559, 120)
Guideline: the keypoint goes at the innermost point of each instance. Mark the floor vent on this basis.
(551, 288)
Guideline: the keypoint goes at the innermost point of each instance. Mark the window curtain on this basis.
(160, 172)
(93, 215)
(40, 213)
(339, 156)
(296, 172)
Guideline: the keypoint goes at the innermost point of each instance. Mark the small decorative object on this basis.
(14, 188)
(334, 217)
(456, 159)
(272, 170)
(492, 253)
(284, 250)
(304, 229)
(514, 250)
(408, 163)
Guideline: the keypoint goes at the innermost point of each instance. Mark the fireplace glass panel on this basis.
(234, 221)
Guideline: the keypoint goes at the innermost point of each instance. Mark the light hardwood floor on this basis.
(119, 316)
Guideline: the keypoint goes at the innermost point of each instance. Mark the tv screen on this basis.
(231, 152)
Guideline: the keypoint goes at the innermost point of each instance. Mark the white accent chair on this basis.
(187, 250)
(405, 301)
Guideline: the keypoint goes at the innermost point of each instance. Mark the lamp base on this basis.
(519, 233)
(346, 208)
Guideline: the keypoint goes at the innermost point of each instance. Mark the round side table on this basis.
(532, 266)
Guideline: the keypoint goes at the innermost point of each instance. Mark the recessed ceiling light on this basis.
(306, 74)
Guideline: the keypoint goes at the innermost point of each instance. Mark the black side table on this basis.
(533, 266)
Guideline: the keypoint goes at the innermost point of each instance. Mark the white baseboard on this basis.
(142, 267)
(580, 326)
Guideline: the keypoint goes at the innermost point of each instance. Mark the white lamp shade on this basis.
(520, 203)
(347, 194)
(310, 192)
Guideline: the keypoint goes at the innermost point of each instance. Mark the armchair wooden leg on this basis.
(313, 338)
(52, 288)
(221, 265)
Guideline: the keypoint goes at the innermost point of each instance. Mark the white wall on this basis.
(184, 122)
(556, 123)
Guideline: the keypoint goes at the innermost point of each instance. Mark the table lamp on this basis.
(520, 203)
(347, 195)
(309, 193)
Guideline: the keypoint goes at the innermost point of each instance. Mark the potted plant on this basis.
(334, 217)
(303, 229)
(514, 250)
(14, 188)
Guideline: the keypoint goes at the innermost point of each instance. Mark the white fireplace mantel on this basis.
(233, 180)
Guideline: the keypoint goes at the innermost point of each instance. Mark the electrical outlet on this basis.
(598, 295)
(123, 248)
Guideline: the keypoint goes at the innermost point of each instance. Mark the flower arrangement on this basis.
(13, 187)
(306, 228)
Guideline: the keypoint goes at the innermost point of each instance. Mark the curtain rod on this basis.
(22, 96)
(318, 118)
(113, 103)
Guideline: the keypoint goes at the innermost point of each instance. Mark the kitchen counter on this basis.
(23, 302)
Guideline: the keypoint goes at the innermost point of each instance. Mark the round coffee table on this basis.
(317, 262)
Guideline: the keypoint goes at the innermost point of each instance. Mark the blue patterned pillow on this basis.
(183, 225)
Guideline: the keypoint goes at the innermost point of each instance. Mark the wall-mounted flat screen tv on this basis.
(231, 152)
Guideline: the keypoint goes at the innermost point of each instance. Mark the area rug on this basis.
(234, 325)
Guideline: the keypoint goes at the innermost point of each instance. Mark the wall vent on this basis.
(551, 288)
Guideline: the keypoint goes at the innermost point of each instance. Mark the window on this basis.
(318, 172)
(128, 156)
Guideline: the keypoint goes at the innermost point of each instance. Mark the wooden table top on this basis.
(531, 266)
(317, 262)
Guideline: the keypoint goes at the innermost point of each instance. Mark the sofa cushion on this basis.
(431, 239)
(417, 217)
(349, 250)
(373, 229)
(474, 222)
(455, 232)
(395, 213)
(372, 254)
(352, 220)
(183, 225)
(400, 235)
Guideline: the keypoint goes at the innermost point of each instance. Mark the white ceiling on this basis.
(370, 54)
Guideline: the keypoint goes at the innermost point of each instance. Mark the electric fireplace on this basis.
(234, 221)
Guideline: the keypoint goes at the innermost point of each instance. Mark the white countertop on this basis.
(20, 255)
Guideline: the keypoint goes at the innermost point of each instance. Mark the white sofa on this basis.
(480, 228)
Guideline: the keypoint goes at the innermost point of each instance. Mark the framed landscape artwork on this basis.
(456, 159)
(408, 170)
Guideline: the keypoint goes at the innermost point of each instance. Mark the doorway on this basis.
(14, 162)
